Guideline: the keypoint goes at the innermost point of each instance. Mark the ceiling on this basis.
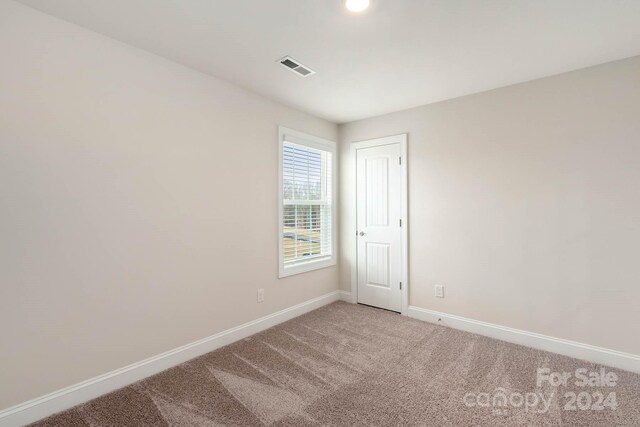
(398, 54)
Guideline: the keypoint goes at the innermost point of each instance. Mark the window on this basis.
(307, 203)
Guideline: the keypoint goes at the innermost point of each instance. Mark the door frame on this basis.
(404, 206)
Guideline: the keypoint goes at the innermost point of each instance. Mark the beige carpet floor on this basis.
(350, 365)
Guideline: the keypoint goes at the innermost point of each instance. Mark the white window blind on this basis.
(306, 221)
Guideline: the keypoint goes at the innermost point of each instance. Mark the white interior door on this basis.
(379, 229)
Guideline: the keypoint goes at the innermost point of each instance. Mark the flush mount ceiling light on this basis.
(356, 5)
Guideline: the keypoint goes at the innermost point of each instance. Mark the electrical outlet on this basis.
(261, 295)
(439, 291)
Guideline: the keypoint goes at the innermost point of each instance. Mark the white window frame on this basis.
(296, 137)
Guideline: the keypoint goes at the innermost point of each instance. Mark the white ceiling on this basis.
(399, 54)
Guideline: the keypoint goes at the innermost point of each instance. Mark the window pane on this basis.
(302, 172)
(303, 231)
(306, 220)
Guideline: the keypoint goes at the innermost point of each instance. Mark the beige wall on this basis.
(138, 205)
(524, 202)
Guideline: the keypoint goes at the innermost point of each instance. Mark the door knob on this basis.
(362, 233)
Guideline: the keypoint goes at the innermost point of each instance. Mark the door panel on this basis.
(377, 264)
(379, 209)
(377, 200)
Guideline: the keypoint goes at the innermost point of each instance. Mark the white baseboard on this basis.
(68, 397)
(590, 353)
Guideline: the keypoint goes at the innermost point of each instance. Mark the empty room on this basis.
(319, 213)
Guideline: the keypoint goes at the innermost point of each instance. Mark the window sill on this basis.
(304, 267)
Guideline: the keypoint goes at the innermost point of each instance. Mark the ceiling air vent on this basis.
(295, 66)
